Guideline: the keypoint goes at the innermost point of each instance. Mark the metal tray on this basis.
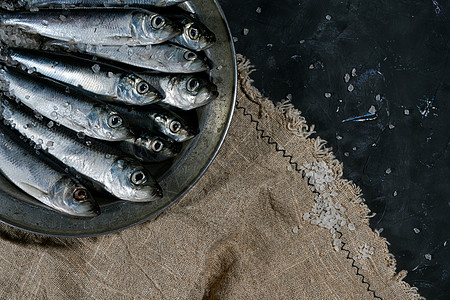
(21, 211)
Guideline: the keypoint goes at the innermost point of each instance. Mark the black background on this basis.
(400, 50)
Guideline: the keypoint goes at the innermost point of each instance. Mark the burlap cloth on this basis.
(247, 230)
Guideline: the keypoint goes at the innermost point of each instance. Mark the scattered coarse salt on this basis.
(428, 256)
(302, 41)
(350, 88)
(364, 252)
(327, 95)
(395, 194)
(258, 10)
(391, 126)
(346, 154)
(337, 244)
(289, 97)
(416, 230)
(245, 31)
(406, 112)
(328, 17)
(445, 244)
(388, 171)
(235, 39)
(353, 72)
(289, 168)
(96, 68)
(311, 66)
(346, 77)
(354, 148)
(351, 226)
(295, 229)
(378, 97)
(372, 110)
(338, 137)
(306, 216)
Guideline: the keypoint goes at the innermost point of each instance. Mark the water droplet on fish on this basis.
(27, 97)
(110, 74)
(350, 88)
(50, 124)
(45, 22)
(25, 126)
(55, 108)
(66, 170)
(53, 114)
(88, 143)
(31, 70)
(50, 143)
(40, 141)
(66, 104)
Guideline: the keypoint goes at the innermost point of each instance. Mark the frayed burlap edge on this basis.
(296, 124)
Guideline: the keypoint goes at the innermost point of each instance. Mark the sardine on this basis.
(76, 112)
(97, 3)
(167, 58)
(150, 149)
(96, 26)
(42, 182)
(109, 83)
(123, 177)
(183, 91)
(195, 35)
(159, 121)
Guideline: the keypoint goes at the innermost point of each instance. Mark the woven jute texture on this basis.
(251, 228)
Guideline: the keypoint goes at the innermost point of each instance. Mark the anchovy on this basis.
(96, 3)
(42, 182)
(158, 120)
(150, 149)
(183, 91)
(167, 58)
(124, 178)
(81, 115)
(96, 26)
(195, 35)
(109, 83)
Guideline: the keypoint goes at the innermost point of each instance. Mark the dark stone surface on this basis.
(400, 50)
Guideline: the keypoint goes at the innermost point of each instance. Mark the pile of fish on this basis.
(101, 92)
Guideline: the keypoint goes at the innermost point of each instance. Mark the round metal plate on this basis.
(19, 210)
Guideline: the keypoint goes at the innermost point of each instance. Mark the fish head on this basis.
(172, 126)
(128, 180)
(153, 28)
(154, 148)
(136, 91)
(196, 36)
(107, 124)
(74, 198)
(185, 61)
(190, 91)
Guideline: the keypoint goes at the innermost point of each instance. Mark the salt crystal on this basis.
(219, 68)
(110, 74)
(395, 194)
(354, 148)
(391, 126)
(388, 171)
(338, 137)
(44, 22)
(372, 110)
(380, 230)
(306, 216)
(302, 41)
(245, 31)
(327, 95)
(346, 77)
(406, 112)
(295, 229)
(350, 88)
(96, 68)
(351, 226)
(88, 143)
(289, 168)
(258, 10)
(416, 230)
(428, 256)
(50, 143)
(346, 154)
(378, 97)
(311, 66)
(328, 17)
(353, 72)
(62, 18)
(235, 39)
(445, 243)
(50, 124)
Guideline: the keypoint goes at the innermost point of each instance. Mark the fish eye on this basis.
(157, 145)
(175, 126)
(115, 121)
(189, 55)
(80, 194)
(192, 85)
(158, 22)
(194, 33)
(138, 178)
(142, 87)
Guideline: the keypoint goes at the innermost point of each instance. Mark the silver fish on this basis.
(111, 84)
(96, 3)
(183, 91)
(96, 26)
(158, 120)
(42, 182)
(81, 115)
(195, 35)
(167, 58)
(150, 149)
(122, 177)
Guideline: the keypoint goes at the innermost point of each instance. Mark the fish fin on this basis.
(32, 190)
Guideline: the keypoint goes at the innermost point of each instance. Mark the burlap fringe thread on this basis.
(297, 125)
